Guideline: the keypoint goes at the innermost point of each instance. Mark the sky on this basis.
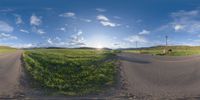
(99, 23)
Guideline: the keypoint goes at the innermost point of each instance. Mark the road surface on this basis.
(161, 76)
(10, 67)
(147, 76)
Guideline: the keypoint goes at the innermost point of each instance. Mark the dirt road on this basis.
(161, 77)
(10, 66)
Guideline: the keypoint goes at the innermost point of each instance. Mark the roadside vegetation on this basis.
(5, 49)
(71, 71)
(169, 50)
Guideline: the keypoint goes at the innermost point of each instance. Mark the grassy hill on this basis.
(6, 49)
(164, 50)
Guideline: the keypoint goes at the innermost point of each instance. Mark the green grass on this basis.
(176, 50)
(5, 49)
(71, 71)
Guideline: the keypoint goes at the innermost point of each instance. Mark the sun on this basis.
(99, 46)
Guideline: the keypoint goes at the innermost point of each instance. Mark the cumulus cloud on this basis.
(100, 10)
(62, 29)
(136, 38)
(49, 41)
(178, 27)
(35, 20)
(187, 21)
(105, 21)
(18, 19)
(58, 39)
(5, 27)
(144, 32)
(4, 36)
(102, 18)
(55, 42)
(38, 30)
(77, 39)
(24, 31)
(68, 14)
(185, 14)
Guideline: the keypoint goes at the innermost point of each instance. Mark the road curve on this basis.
(10, 64)
(160, 76)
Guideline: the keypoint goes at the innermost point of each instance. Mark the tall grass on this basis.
(73, 72)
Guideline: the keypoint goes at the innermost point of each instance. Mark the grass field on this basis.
(176, 50)
(5, 49)
(71, 71)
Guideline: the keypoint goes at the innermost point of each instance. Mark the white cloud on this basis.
(185, 14)
(184, 22)
(187, 21)
(105, 21)
(77, 39)
(101, 10)
(68, 14)
(79, 33)
(49, 41)
(5, 27)
(35, 20)
(62, 29)
(102, 18)
(18, 19)
(144, 32)
(86, 20)
(58, 39)
(55, 42)
(136, 38)
(40, 31)
(25, 31)
(178, 27)
(4, 36)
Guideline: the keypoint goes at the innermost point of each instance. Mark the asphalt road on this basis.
(147, 76)
(10, 67)
(161, 76)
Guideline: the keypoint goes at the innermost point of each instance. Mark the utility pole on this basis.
(166, 37)
(166, 40)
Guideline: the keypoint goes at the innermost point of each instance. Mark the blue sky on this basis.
(99, 23)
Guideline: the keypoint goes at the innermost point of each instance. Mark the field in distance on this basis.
(170, 50)
(71, 71)
(5, 49)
